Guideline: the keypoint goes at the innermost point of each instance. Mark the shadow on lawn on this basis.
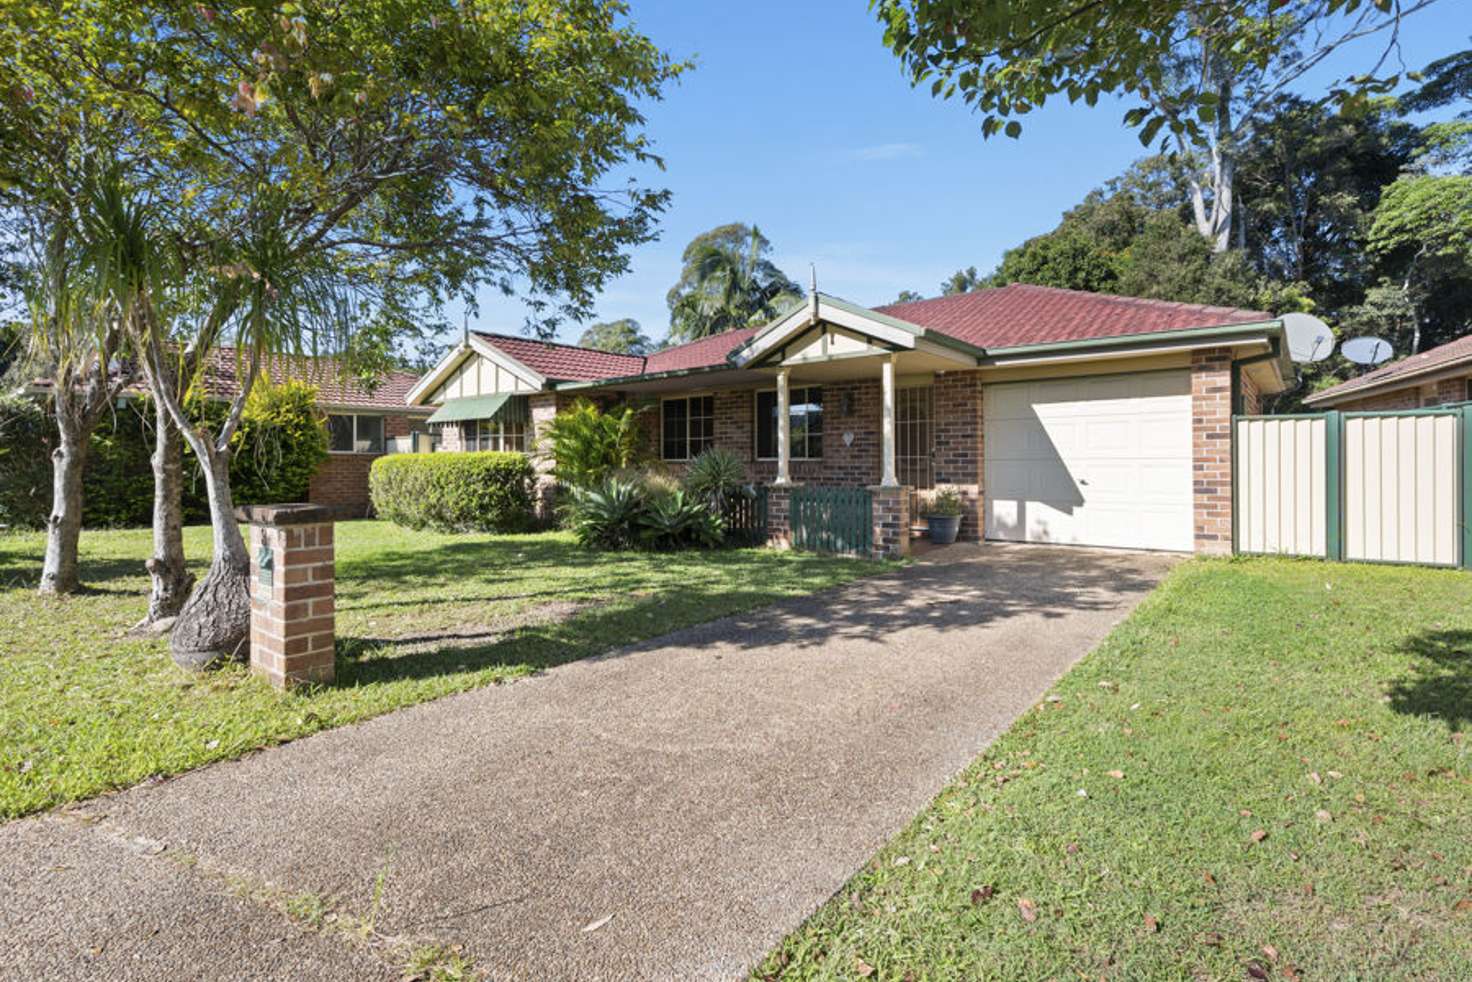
(1441, 685)
(1000, 584)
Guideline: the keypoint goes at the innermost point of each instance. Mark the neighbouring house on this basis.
(363, 422)
(1060, 416)
(1432, 378)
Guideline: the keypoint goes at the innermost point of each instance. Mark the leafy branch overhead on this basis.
(1200, 72)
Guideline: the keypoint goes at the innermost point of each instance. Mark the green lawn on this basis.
(1265, 772)
(84, 709)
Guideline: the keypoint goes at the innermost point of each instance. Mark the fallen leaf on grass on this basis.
(1027, 909)
(863, 967)
(1259, 835)
(1117, 775)
(1151, 924)
(600, 922)
(982, 894)
(1257, 970)
(1071, 848)
(1206, 875)
(1323, 815)
(1211, 939)
(1465, 904)
(1271, 952)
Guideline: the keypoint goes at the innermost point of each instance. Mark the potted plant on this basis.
(943, 514)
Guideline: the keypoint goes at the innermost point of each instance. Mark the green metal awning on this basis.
(474, 407)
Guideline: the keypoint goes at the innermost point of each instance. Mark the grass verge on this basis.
(1265, 772)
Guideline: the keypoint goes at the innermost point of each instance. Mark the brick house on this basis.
(1431, 378)
(363, 424)
(1059, 416)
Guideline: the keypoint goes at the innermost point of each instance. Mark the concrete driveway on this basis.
(668, 811)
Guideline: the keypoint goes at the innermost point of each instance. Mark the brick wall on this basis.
(1211, 433)
(341, 482)
(891, 517)
(1412, 397)
(959, 445)
(1251, 395)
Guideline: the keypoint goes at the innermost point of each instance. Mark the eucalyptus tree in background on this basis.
(728, 281)
(622, 337)
(1203, 73)
(340, 177)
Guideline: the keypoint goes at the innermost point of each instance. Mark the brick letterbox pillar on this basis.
(292, 606)
(891, 516)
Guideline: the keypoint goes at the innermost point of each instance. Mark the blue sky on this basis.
(797, 118)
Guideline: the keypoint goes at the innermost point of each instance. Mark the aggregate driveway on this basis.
(667, 811)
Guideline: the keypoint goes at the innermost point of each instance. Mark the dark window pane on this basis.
(370, 434)
(675, 437)
(340, 434)
(766, 424)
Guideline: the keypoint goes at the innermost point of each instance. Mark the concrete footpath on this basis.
(667, 811)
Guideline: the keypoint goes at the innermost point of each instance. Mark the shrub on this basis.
(587, 445)
(26, 438)
(945, 503)
(606, 516)
(281, 442)
(117, 484)
(674, 521)
(623, 514)
(717, 477)
(486, 491)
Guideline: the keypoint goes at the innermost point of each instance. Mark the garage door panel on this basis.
(1091, 461)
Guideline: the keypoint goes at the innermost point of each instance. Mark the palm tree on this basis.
(728, 286)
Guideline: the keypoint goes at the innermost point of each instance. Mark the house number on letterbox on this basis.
(266, 564)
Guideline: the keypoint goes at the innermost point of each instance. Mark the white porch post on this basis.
(888, 479)
(784, 429)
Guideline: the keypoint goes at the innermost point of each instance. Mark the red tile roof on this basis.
(1019, 314)
(564, 362)
(334, 387)
(699, 354)
(1442, 356)
(1022, 314)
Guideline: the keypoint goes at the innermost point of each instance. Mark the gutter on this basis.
(1126, 340)
(1389, 383)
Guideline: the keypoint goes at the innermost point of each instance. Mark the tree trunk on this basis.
(215, 621)
(171, 580)
(64, 527)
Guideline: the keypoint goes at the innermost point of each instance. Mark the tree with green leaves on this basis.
(623, 337)
(1204, 73)
(728, 281)
(908, 296)
(962, 281)
(1426, 220)
(335, 179)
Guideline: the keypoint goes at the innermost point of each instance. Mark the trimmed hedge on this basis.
(484, 491)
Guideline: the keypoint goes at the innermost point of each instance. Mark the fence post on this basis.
(1464, 516)
(1334, 485)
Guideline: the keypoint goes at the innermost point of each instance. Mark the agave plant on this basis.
(677, 520)
(606, 515)
(717, 477)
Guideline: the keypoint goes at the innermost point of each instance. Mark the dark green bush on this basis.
(486, 491)
(26, 438)
(622, 514)
(281, 441)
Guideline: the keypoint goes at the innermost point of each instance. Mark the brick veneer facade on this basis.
(1413, 396)
(341, 482)
(891, 517)
(1211, 440)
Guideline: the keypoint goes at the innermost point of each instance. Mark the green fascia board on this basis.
(470, 407)
(605, 383)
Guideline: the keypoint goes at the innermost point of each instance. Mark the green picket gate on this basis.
(834, 520)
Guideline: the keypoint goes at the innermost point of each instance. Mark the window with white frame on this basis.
(805, 423)
(687, 426)
(354, 434)
(493, 434)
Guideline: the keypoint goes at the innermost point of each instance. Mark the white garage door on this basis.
(1100, 461)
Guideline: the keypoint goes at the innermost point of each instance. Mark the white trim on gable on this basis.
(813, 315)
(525, 380)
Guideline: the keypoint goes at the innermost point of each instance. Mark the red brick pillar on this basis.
(1211, 440)
(292, 603)
(891, 518)
(779, 516)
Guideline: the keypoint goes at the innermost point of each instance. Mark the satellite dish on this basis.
(1309, 339)
(1367, 350)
